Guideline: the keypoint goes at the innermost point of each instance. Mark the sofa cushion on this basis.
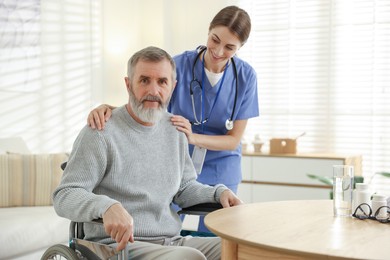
(29, 179)
(27, 229)
(13, 145)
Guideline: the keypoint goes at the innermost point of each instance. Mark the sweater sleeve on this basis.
(191, 191)
(74, 198)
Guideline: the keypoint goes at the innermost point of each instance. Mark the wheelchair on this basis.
(80, 249)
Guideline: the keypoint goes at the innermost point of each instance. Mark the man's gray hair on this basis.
(151, 54)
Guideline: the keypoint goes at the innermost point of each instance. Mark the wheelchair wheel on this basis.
(60, 252)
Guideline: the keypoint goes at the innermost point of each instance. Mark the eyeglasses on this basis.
(364, 211)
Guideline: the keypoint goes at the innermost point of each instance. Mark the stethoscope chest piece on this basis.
(195, 83)
(229, 124)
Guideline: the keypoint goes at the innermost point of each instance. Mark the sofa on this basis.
(28, 222)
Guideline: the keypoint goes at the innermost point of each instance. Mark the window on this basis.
(49, 61)
(324, 68)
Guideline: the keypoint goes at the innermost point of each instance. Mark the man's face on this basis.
(150, 90)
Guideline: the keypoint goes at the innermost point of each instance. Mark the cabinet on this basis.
(270, 177)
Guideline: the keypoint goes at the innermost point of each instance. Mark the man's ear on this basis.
(127, 82)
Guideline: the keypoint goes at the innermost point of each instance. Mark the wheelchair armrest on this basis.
(93, 250)
(63, 165)
(97, 221)
(76, 229)
(200, 209)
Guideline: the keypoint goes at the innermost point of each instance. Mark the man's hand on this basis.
(118, 224)
(229, 199)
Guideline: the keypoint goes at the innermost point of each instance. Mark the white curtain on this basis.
(324, 68)
(49, 68)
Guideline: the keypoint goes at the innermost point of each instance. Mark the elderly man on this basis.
(130, 173)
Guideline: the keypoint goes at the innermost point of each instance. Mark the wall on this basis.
(174, 25)
(79, 59)
(50, 70)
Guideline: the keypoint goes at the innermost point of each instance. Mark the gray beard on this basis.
(147, 115)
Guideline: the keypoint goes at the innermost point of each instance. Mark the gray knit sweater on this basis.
(143, 168)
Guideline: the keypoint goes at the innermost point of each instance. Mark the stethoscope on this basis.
(195, 82)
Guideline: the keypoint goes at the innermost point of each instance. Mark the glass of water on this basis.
(343, 176)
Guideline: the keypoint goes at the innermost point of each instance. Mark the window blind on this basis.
(324, 68)
(49, 58)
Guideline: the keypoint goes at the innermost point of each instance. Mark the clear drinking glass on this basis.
(342, 190)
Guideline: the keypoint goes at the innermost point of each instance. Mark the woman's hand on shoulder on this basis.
(183, 125)
(99, 116)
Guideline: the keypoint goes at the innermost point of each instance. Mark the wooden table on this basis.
(297, 230)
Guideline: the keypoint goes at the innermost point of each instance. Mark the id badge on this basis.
(198, 156)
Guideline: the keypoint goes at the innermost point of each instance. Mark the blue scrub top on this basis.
(219, 166)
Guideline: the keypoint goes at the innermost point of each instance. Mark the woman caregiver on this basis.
(216, 94)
